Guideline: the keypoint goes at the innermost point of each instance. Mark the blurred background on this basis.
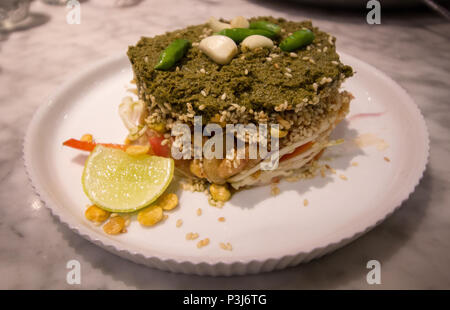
(43, 43)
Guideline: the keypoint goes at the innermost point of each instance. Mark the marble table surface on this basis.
(413, 245)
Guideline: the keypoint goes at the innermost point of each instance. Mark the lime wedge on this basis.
(118, 182)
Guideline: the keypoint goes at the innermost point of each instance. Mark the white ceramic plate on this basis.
(266, 232)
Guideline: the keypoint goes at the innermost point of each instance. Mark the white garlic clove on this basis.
(239, 22)
(219, 48)
(254, 41)
(217, 25)
(132, 113)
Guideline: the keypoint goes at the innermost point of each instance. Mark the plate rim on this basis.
(218, 267)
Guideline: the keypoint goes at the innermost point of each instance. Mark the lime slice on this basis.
(118, 182)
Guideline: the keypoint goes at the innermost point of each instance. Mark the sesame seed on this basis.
(195, 44)
(343, 177)
(387, 159)
(288, 69)
(274, 190)
(203, 93)
(202, 71)
(354, 164)
(331, 169)
(201, 107)
(312, 61)
(245, 71)
(334, 62)
(288, 74)
(164, 142)
(293, 55)
(269, 58)
(330, 40)
(322, 172)
(168, 106)
(179, 223)
(305, 202)
(224, 96)
(221, 219)
(133, 90)
(276, 66)
(199, 211)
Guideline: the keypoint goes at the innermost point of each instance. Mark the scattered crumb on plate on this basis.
(274, 190)
(343, 177)
(331, 169)
(203, 243)
(226, 246)
(179, 223)
(369, 139)
(191, 236)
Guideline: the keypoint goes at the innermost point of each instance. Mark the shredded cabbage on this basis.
(335, 142)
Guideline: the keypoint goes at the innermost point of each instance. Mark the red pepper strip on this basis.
(89, 146)
(297, 151)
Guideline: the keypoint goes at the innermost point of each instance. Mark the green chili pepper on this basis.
(174, 52)
(262, 24)
(239, 34)
(297, 40)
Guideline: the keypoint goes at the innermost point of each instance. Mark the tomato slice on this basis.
(318, 155)
(302, 148)
(157, 147)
